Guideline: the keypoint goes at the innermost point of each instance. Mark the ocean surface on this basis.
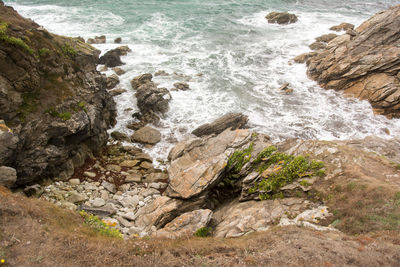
(232, 59)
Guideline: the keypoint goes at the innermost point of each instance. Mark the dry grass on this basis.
(36, 233)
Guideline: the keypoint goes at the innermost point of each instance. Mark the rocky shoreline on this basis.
(224, 176)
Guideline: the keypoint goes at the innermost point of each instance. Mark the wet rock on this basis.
(111, 59)
(303, 57)
(281, 18)
(366, 65)
(118, 71)
(146, 135)
(141, 80)
(97, 40)
(120, 136)
(112, 81)
(161, 73)
(326, 38)
(229, 121)
(123, 50)
(8, 176)
(116, 92)
(181, 86)
(118, 40)
(186, 224)
(342, 27)
(317, 45)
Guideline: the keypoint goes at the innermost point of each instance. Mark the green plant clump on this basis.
(68, 51)
(44, 52)
(239, 158)
(63, 115)
(100, 226)
(279, 169)
(18, 42)
(202, 232)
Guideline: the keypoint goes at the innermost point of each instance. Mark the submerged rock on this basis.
(97, 40)
(366, 65)
(281, 18)
(228, 121)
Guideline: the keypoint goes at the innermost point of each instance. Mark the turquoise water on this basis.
(231, 57)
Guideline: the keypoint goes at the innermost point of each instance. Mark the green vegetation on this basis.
(305, 183)
(28, 105)
(239, 158)
(279, 169)
(202, 232)
(18, 42)
(44, 52)
(62, 115)
(68, 51)
(100, 226)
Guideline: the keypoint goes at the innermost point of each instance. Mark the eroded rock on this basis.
(229, 121)
(281, 18)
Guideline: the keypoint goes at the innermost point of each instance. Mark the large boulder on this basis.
(364, 64)
(111, 58)
(228, 121)
(281, 18)
(199, 164)
(52, 98)
(146, 135)
(186, 224)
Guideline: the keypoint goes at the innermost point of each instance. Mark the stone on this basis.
(156, 177)
(143, 157)
(185, 225)
(8, 176)
(317, 45)
(342, 27)
(112, 81)
(119, 71)
(133, 178)
(120, 136)
(98, 202)
(129, 163)
(74, 181)
(161, 73)
(125, 223)
(326, 38)
(89, 174)
(228, 121)
(110, 187)
(129, 202)
(365, 64)
(97, 40)
(123, 50)
(146, 135)
(118, 40)
(33, 191)
(111, 59)
(146, 165)
(76, 198)
(281, 18)
(303, 57)
(140, 80)
(181, 86)
(113, 168)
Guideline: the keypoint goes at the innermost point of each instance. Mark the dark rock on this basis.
(116, 92)
(342, 27)
(141, 80)
(281, 18)
(181, 86)
(118, 40)
(119, 71)
(120, 136)
(230, 120)
(111, 59)
(146, 135)
(161, 73)
(123, 50)
(97, 40)
(33, 191)
(8, 176)
(112, 81)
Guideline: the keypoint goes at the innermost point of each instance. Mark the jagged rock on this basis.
(116, 92)
(110, 187)
(141, 80)
(156, 177)
(8, 176)
(120, 136)
(76, 198)
(303, 57)
(133, 178)
(342, 27)
(129, 163)
(186, 224)
(161, 73)
(112, 81)
(163, 210)
(118, 71)
(281, 18)
(237, 219)
(123, 50)
(97, 40)
(111, 59)
(102, 212)
(317, 45)
(326, 38)
(366, 65)
(181, 86)
(203, 162)
(228, 121)
(98, 202)
(57, 119)
(146, 135)
(118, 40)
(33, 191)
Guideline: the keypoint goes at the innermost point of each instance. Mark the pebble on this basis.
(74, 181)
(98, 202)
(90, 174)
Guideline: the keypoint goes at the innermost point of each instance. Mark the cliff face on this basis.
(52, 99)
(365, 63)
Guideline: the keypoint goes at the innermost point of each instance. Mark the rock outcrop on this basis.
(228, 121)
(281, 18)
(51, 97)
(364, 63)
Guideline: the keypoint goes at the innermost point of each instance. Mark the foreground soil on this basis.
(37, 233)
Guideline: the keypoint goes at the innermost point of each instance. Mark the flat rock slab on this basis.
(146, 135)
(186, 224)
(228, 121)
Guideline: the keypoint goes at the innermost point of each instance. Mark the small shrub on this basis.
(202, 232)
(18, 42)
(100, 226)
(63, 115)
(44, 52)
(304, 183)
(68, 51)
(239, 158)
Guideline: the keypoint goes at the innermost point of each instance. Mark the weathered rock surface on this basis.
(146, 135)
(199, 164)
(186, 224)
(112, 81)
(181, 86)
(228, 121)
(8, 176)
(342, 27)
(97, 40)
(366, 65)
(236, 219)
(111, 59)
(55, 100)
(281, 18)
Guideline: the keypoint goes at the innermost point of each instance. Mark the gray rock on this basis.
(281, 18)
(112, 81)
(228, 121)
(89, 174)
(120, 136)
(33, 190)
(146, 135)
(110, 187)
(74, 181)
(8, 176)
(181, 86)
(76, 198)
(129, 202)
(98, 202)
(133, 178)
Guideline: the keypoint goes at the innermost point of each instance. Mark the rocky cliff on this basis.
(365, 63)
(53, 101)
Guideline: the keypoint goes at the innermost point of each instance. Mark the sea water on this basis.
(232, 59)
